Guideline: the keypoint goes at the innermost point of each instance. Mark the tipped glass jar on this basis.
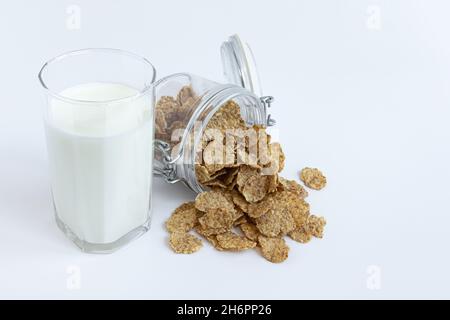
(187, 103)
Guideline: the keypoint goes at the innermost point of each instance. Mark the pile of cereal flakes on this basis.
(249, 205)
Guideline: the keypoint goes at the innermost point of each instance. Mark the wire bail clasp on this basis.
(267, 102)
(168, 170)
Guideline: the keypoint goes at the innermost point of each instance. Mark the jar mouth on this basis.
(213, 102)
(110, 51)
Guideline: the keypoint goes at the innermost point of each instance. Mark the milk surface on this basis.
(100, 160)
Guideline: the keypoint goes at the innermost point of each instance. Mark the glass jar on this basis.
(186, 103)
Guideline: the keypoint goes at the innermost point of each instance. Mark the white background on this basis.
(362, 91)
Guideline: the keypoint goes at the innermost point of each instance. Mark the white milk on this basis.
(100, 161)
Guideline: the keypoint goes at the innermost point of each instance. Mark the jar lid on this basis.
(239, 65)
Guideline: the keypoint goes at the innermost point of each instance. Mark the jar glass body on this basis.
(185, 104)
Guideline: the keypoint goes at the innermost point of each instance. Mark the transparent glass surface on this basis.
(99, 128)
(185, 103)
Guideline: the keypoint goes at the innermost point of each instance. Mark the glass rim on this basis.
(72, 53)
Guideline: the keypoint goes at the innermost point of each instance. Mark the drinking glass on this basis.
(98, 120)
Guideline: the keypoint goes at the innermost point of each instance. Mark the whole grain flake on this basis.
(273, 249)
(313, 178)
(185, 243)
(234, 242)
(183, 219)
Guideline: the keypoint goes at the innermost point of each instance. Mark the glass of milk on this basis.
(99, 128)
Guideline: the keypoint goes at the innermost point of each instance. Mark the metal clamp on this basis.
(168, 170)
(267, 102)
